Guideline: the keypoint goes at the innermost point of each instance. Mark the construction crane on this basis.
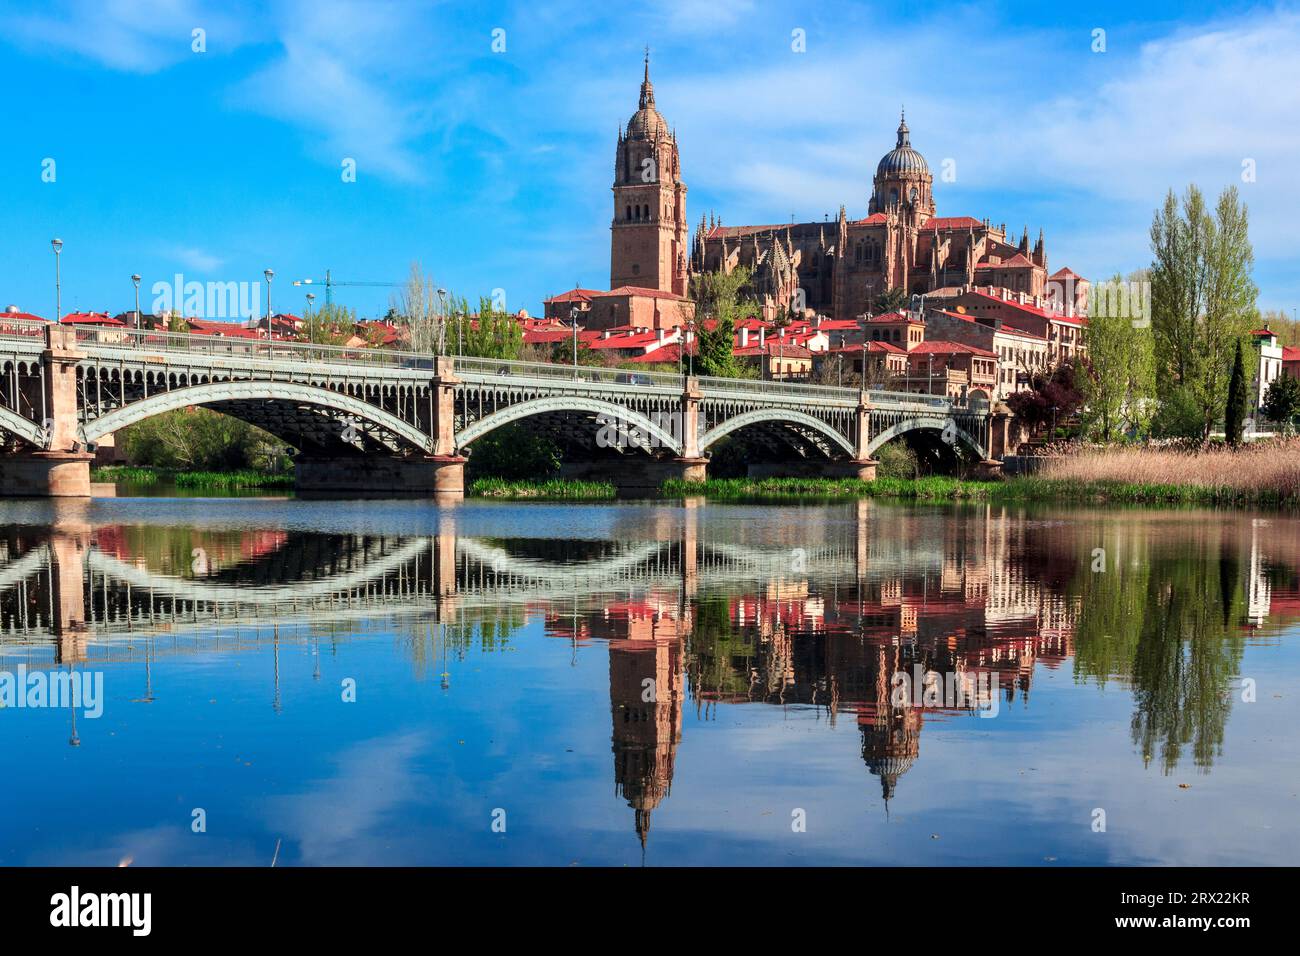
(329, 283)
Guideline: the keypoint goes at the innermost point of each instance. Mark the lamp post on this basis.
(573, 324)
(311, 297)
(442, 313)
(690, 347)
(269, 276)
(135, 281)
(57, 246)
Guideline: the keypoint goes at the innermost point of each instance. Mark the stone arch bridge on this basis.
(369, 421)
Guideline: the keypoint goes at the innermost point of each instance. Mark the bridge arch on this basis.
(214, 394)
(934, 422)
(777, 416)
(569, 403)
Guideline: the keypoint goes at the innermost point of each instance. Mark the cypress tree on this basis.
(1234, 416)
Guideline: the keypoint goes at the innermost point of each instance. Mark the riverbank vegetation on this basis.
(554, 489)
(200, 439)
(215, 480)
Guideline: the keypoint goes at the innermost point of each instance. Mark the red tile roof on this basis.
(1291, 353)
(633, 290)
(1018, 261)
(669, 353)
(91, 318)
(24, 316)
(575, 295)
(1031, 309)
(940, 347)
(1066, 274)
(952, 222)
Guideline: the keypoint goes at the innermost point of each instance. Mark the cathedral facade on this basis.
(839, 268)
(831, 268)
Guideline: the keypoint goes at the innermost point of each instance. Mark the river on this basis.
(656, 682)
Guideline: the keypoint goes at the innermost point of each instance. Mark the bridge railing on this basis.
(245, 347)
(25, 329)
(276, 350)
(551, 371)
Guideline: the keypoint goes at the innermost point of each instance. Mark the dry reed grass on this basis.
(1265, 469)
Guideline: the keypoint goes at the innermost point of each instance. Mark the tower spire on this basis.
(904, 134)
(647, 88)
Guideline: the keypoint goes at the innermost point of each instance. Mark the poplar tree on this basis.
(1202, 296)
(1120, 381)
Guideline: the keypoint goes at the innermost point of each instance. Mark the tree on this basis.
(498, 335)
(1202, 296)
(1282, 401)
(891, 300)
(717, 297)
(1234, 415)
(329, 325)
(1120, 384)
(1053, 395)
(420, 313)
(1178, 416)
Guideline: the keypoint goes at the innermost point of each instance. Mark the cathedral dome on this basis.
(902, 160)
(646, 122)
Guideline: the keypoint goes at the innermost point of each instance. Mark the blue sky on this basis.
(493, 169)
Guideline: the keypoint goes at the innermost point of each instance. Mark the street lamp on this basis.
(311, 297)
(442, 312)
(269, 276)
(690, 347)
(135, 281)
(573, 323)
(57, 245)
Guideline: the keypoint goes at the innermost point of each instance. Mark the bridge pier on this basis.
(46, 474)
(62, 468)
(422, 476)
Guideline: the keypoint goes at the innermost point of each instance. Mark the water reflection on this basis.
(818, 614)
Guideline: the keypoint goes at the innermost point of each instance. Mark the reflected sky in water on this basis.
(660, 683)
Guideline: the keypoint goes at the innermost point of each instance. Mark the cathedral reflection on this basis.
(817, 615)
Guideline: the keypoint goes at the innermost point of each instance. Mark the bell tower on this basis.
(648, 243)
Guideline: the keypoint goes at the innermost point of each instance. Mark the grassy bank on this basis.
(1027, 489)
(739, 489)
(244, 478)
(552, 489)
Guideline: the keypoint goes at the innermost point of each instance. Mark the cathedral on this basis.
(648, 246)
(835, 269)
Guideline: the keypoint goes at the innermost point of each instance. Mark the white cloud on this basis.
(136, 36)
(194, 258)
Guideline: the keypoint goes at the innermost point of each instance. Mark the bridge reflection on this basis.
(700, 615)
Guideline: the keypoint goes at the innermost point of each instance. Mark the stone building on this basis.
(649, 233)
(839, 268)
